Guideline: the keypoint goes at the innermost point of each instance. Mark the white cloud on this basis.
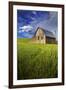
(26, 28)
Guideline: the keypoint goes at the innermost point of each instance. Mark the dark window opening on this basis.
(41, 37)
(38, 37)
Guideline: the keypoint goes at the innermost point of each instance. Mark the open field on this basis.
(36, 60)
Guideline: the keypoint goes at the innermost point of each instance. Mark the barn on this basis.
(43, 36)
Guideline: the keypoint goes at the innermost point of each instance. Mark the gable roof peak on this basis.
(40, 28)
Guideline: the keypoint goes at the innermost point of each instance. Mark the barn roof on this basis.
(47, 33)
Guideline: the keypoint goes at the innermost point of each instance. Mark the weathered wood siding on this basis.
(50, 40)
(40, 36)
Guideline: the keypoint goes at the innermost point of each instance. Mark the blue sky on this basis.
(28, 21)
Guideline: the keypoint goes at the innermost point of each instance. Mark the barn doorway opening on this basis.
(38, 37)
(41, 37)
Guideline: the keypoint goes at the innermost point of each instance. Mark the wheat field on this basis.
(36, 61)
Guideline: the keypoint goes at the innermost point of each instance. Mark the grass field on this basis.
(36, 60)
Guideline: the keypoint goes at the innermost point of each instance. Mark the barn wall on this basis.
(40, 36)
(50, 40)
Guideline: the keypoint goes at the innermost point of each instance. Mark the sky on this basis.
(29, 20)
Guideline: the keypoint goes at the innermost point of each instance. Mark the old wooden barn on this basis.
(43, 36)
